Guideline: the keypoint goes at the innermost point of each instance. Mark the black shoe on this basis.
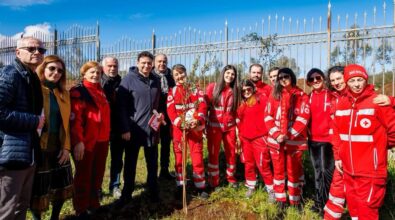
(202, 194)
(298, 207)
(155, 198)
(83, 216)
(281, 205)
(164, 174)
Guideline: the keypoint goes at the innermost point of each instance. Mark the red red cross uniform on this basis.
(334, 207)
(221, 127)
(362, 129)
(184, 104)
(288, 116)
(252, 132)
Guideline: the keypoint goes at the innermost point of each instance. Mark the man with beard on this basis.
(256, 74)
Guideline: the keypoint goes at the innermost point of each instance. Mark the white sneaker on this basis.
(116, 193)
(271, 196)
(250, 192)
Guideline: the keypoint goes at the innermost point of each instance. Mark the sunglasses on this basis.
(34, 49)
(317, 78)
(246, 90)
(284, 77)
(52, 68)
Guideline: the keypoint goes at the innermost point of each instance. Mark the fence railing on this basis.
(276, 40)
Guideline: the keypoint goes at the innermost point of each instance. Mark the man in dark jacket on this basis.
(137, 97)
(110, 81)
(166, 81)
(21, 104)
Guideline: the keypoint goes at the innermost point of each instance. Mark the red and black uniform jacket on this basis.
(362, 129)
(180, 100)
(221, 115)
(288, 116)
(90, 115)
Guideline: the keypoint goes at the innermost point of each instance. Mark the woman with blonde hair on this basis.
(53, 177)
(90, 133)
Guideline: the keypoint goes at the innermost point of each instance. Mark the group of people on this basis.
(346, 127)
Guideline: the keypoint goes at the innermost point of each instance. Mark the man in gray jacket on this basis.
(21, 105)
(137, 96)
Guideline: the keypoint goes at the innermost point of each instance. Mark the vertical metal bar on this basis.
(329, 35)
(355, 39)
(383, 46)
(153, 38)
(97, 41)
(226, 43)
(393, 45)
(374, 47)
(363, 43)
(55, 41)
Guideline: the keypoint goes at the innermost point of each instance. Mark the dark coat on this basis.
(21, 103)
(137, 97)
(110, 85)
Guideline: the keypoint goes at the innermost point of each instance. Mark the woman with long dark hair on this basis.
(222, 98)
(287, 114)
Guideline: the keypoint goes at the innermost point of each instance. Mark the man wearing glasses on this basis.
(21, 121)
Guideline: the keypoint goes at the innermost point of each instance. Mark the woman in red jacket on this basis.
(286, 117)
(90, 131)
(320, 148)
(187, 111)
(252, 134)
(222, 99)
(361, 128)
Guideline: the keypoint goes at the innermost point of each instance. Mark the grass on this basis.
(227, 203)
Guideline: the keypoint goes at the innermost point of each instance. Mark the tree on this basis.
(268, 51)
(285, 61)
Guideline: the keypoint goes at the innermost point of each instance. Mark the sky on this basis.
(138, 19)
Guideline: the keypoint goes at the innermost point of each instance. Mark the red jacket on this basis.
(362, 128)
(221, 116)
(90, 115)
(264, 88)
(282, 117)
(250, 119)
(320, 117)
(178, 104)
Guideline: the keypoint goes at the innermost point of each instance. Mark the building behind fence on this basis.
(276, 40)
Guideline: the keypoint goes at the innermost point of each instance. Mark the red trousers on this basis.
(214, 138)
(334, 207)
(88, 178)
(256, 155)
(364, 196)
(289, 161)
(195, 145)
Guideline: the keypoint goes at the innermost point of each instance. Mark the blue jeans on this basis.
(117, 147)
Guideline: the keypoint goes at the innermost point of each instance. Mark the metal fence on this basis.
(276, 40)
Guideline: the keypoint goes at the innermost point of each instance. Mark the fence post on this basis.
(329, 22)
(55, 42)
(226, 43)
(97, 42)
(153, 41)
(393, 57)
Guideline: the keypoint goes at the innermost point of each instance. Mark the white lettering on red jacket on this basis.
(296, 120)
